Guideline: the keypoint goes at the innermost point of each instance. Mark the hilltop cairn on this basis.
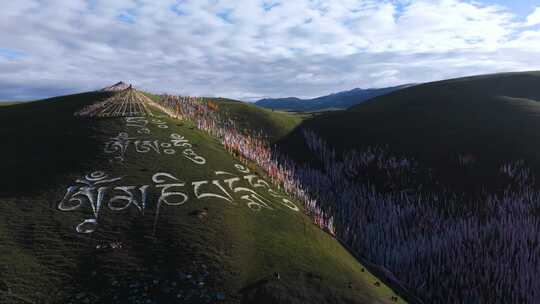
(119, 86)
(126, 102)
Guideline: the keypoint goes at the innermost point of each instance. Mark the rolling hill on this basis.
(276, 125)
(336, 101)
(101, 208)
(438, 183)
(493, 118)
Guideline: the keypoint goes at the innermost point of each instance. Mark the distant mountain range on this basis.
(335, 101)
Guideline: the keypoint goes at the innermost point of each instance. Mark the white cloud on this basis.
(534, 17)
(240, 48)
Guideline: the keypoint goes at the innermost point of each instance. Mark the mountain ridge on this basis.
(334, 101)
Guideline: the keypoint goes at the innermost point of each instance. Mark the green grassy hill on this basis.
(165, 231)
(275, 124)
(9, 103)
(494, 118)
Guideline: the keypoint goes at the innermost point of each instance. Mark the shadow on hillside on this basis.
(42, 141)
(436, 122)
(261, 291)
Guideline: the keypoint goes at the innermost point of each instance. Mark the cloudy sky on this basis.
(248, 49)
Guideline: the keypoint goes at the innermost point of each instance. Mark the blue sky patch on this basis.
(11, 54)
(269, 6)
(176, 8)
(225, 16)
(126, 17)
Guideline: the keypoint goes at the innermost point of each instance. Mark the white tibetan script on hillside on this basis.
(98, 190)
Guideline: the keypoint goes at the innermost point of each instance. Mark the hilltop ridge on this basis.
(119, 86)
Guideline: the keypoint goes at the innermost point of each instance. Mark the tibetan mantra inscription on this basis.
(98, 190)
(118, 146)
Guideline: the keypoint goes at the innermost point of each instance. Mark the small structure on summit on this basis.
(119, 86)
(126, 102)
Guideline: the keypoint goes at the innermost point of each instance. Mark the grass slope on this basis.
(43, 260)
(275, 124)
(9, 103)
(495, 118)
